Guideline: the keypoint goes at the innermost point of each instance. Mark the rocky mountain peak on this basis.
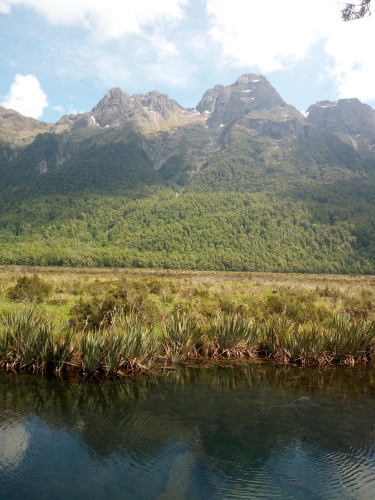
(116, 107)
(111, 109)
(245, 80)
(19, 130)
(347, 116)
(157, 102)
(250, 93)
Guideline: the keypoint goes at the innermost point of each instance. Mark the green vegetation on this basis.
(116, 322)
(203, 231)
(29, 289)
(264, 196)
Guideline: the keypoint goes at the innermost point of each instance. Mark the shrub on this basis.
(30, 289)
(97, 311)
(108, 298)
(155, 286)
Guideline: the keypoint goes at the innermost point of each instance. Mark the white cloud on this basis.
(4, 7)
(149, 58)
(26, 96)
(273, 35)
(163, 48)
(77, 62)
(351, 48)
(174, 75)
(167, 42)
(106, 19)
(270, 35)
(59, 109)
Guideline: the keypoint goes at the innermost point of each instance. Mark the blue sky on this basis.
(62, 56)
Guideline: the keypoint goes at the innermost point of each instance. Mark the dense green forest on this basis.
(223, 231)
(307, 206)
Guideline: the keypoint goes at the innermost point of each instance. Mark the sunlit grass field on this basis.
(119, 321)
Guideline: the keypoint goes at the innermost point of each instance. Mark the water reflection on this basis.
(249, 431)
(14, 441)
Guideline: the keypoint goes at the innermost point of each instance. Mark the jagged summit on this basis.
(351, 119)
(113, 108)
(250, 103)
(248, 78)
(250, 93)
(16, 129)
(116, 107)
(348, 116)
(157, 102)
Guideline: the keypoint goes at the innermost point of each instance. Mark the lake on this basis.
(217, 432)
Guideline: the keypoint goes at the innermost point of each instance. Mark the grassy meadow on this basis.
(120, 321)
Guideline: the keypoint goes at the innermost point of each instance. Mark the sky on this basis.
(62, 56)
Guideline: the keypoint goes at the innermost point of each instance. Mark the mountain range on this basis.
(244, 181)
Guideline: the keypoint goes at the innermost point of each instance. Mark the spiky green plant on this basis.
(232, 334)
(41, 346)
(289, 346)
(91, 348)
(4, 344)
(138, 343)
(350, 339)
(112, 351)
(181, 336)
(30, 340)
(65, 346)
(18, 326)
(273, 330)
(301, 343)
(312, 342)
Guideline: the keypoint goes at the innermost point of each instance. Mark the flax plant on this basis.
(302, 343)
(232, 335)
(312, 343)
(40, 347)
(181, 336)
(276, 329)
(91, 349)
(65, 347)
(4, 345)
(112, 351)
(139, 344)
(348, 339)
(289, 345)
(28, 340)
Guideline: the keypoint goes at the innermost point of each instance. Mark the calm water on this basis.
(253, 431)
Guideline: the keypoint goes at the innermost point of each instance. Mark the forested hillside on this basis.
(243, 182)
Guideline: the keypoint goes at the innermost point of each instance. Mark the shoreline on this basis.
(130, 345)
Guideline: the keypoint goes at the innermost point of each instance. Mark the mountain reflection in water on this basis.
(245, 431)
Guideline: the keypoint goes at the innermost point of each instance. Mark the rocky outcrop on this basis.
(117, 108)
(251, 95)
(170, 137)
(351, 120)
(18, 130)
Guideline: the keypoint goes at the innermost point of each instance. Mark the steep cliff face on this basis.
(152, 111)
(351, 120)
(251, 96)
(144, 131)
